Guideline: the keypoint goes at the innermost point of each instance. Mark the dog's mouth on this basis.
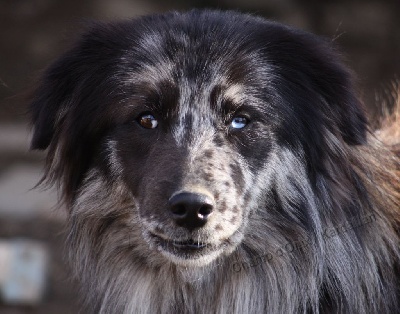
(192, 251)
(189, 245)
(186, 249)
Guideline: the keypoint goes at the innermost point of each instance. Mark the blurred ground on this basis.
(31, 214)
(34, 32)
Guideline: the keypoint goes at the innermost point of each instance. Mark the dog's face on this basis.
(190, 149)
(192, 115)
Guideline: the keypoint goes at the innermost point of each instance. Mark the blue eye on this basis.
(239, 122)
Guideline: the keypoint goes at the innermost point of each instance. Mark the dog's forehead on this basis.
(195, 54)
(195, 71)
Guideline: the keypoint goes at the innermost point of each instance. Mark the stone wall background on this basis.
(35, 32)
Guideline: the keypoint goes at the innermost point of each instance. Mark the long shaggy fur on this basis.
(307, 200)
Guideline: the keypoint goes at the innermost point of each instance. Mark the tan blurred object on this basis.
(389, 131)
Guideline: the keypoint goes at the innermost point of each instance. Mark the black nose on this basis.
(190, 210)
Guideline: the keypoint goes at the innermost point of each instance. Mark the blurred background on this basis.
(33, 276)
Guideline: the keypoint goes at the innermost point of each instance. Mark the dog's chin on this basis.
(191, 253)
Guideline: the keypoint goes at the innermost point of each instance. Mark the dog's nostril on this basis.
(178, 210)
(190, 210)
(205, 210)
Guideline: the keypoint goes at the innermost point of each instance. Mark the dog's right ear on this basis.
(51, 101)
(67, 81)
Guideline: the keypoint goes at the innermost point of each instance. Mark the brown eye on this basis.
(148, 121)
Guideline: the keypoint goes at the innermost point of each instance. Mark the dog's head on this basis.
(192, 113)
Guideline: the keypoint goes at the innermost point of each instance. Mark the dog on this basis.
(218, 162)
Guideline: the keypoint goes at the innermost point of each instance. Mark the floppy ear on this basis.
(71, 107)
(334, 80)
(70, 82)
(342, 98)
(52, 110)
(311, 64)
(52, 100)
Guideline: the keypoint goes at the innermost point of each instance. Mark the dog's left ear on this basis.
(312, 65)
(350, 113)
(335, 83)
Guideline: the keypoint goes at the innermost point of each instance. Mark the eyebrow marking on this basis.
(234, 93)
(229, 97)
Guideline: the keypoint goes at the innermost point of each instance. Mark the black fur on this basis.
(304, 163)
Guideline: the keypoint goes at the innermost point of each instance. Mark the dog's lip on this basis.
(188, 245)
